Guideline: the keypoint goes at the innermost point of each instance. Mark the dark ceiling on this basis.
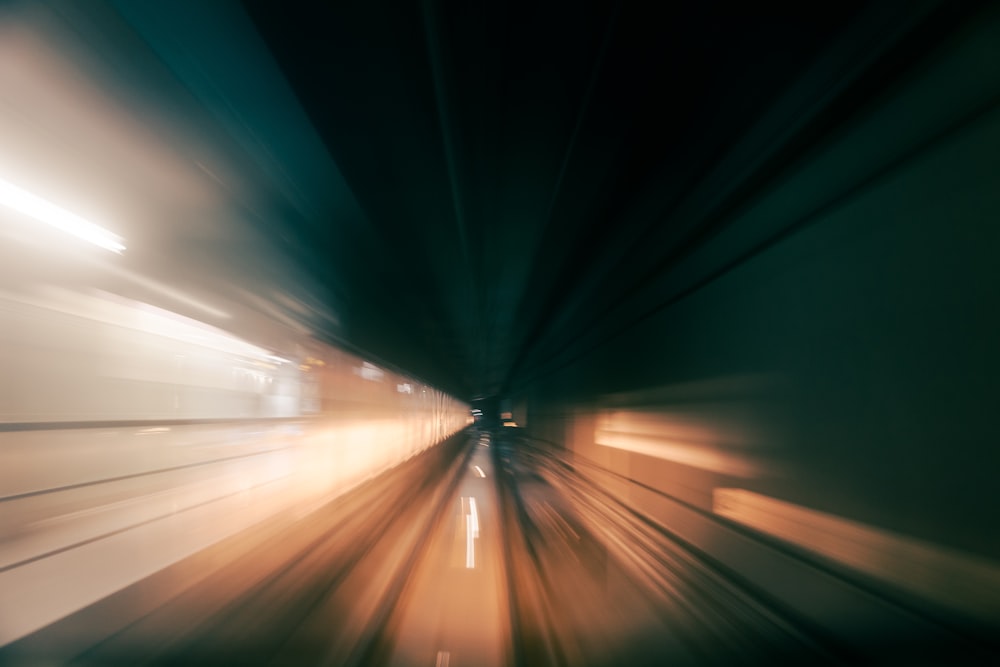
(525, 170)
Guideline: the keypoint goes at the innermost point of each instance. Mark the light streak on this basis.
(45, 211)
(471, 533)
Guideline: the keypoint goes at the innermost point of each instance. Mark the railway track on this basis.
(703, 616)
(707, 612)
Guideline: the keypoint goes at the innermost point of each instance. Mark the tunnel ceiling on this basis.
(508, 172)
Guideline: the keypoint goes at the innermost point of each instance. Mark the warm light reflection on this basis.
(959, 580)
(671, 435)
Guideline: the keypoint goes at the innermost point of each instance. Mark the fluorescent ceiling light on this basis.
(47, 212)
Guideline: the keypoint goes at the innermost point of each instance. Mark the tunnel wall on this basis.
(823, 371)
(160, 397)
(132, 437)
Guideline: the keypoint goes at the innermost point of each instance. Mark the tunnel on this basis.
(499, 333)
